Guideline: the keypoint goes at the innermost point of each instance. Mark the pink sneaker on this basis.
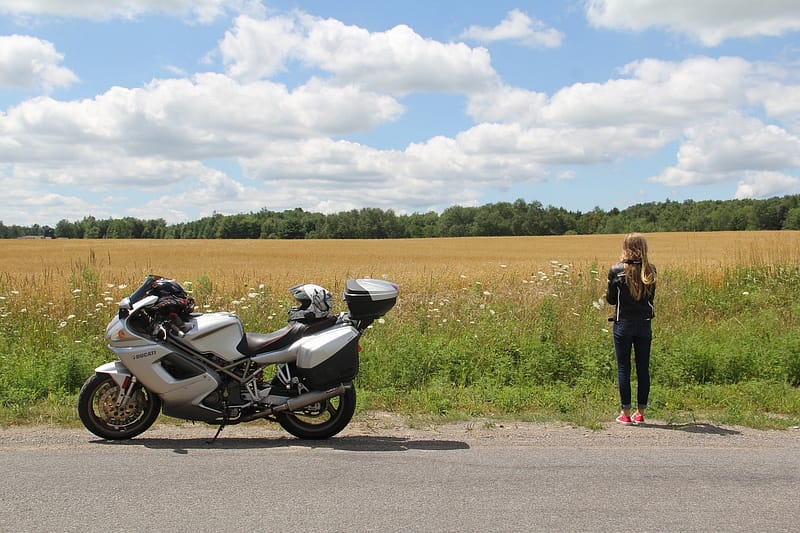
(637, 418)
(624, 420)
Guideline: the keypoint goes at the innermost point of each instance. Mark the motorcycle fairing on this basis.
(217, 333)
(145, 364)
(116, 370)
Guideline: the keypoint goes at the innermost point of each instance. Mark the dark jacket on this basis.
(619, 295)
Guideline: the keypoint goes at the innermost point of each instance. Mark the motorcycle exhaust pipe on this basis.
(304, 400)
(298, 402)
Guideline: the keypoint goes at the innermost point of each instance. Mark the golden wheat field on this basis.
(49, 274)
(413, 263)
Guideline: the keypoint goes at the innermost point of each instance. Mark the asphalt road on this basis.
(467, 477)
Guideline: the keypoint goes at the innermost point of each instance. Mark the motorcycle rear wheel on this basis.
(321, 420)
(97, 409)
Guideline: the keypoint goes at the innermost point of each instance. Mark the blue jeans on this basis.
(636, 335)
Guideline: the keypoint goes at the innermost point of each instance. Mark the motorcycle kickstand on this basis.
(224, 419)
(219, 430)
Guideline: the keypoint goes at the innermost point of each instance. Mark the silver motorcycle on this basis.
(205, 367)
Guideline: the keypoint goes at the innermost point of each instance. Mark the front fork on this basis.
(126, 391)
(122, 377)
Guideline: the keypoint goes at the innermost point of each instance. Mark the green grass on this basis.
(726, 347)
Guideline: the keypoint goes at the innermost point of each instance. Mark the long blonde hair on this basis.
(640, 274)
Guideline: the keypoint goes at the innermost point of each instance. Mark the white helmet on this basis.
(313, 301)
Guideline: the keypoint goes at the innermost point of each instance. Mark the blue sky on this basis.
(177, 109)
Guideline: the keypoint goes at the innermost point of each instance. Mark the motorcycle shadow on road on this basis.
(347, 443)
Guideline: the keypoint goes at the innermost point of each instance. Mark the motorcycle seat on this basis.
(258, 343)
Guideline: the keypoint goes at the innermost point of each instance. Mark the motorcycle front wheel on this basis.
(323, 419)
(97, 409)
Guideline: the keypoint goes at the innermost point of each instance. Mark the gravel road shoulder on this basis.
(373, 429)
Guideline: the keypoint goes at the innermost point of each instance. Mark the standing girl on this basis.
(632, 288)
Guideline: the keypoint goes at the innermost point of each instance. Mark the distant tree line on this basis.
(496, 219)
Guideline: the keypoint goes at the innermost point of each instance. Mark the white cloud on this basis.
(397, 61)
(519, 27)
(201, 194)
(25, 205)
(659, 93)
(31, 63)
(701, 102)
(422, 175)
(333, 170)
(591, 122)
(780, 101)
(256, 49)
(155, 137)
(708, 21)
(767, 184)
(508, 104)
(727, 148)
(203, 11)
(209, 116)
